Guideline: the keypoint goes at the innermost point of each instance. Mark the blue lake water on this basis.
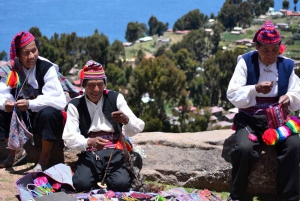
(83, 17)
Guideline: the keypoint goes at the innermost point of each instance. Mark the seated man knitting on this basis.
(264, 79)
(96, 122)
(33, 89)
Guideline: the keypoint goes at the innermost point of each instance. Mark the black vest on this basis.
(109, 106)
(42, 68)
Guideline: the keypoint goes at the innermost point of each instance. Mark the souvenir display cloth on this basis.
(18, 132)
(52, 183)
(58, 178)
(175, 194)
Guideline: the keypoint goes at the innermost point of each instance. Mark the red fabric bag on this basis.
(276, 116)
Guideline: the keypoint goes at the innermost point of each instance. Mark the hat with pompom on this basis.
(268, 34)
(19, 40)
(92, 70)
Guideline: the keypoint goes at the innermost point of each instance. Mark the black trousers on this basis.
(91, 171)
(48, 122)
(244, 156)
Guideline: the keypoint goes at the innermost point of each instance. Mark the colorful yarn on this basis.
(293, 125)
(252, 137)
(282, 48)
(233, 127)
(284, 132)
(13, 79)
(128, 145)
(296, 120)
(270, 136)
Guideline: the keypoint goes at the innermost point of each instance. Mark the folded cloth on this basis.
(55, 196)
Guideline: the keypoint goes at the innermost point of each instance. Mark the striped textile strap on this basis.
(262, 103)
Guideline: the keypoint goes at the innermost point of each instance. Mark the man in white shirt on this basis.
(263, 78)
(96, 123)
(32, 86)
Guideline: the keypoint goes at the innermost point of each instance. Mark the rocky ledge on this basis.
(197, 160)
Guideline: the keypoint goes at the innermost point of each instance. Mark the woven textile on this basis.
(18, 134)
(276, 116)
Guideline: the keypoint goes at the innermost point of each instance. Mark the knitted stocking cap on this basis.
(20, 40)
(92, 70)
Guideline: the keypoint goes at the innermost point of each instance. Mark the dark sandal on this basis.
(6, 163)
(20, 156)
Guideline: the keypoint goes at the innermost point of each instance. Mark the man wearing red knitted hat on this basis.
(264, 79)
(97, 125)
(31, 89)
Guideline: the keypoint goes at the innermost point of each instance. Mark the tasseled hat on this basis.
(20, 40)
(92, 70)
(268, 34)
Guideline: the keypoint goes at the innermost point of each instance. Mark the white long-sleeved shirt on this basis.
(72, 135)
(53, 94)
(244, 96)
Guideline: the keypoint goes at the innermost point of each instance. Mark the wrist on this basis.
(126, 120)
(257, 88)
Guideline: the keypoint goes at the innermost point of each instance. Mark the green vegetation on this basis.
(185, 70)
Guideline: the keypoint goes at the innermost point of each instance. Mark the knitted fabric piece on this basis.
(267, 34)
(18, 133)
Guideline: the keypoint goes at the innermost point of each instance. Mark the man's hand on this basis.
(264, 87)
(120, 117)
(9, 105)
(22, 104)
(97, 143)
(284, 100)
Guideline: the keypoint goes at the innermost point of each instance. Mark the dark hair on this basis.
(259, 44)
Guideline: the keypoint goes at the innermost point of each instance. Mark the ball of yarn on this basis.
(270, 136)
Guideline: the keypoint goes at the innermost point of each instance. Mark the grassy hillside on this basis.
(228, 39)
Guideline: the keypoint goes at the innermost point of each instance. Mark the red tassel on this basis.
(12, 79)
(81, 74)
(270, 136)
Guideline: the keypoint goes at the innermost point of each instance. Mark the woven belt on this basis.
(99, 134)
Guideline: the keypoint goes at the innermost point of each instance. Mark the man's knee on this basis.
(50, 113)
(120, 185)
(81, 184)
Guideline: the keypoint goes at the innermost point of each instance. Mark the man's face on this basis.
(94, 90)
(28, 55)
(268, 53)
